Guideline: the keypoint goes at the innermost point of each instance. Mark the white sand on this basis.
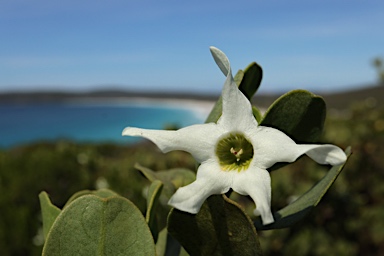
(201, 108)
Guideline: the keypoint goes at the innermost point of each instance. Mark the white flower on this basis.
(235, 152)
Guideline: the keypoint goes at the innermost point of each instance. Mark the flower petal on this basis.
(323, 154)
(199, 140)
(221, 60)
(210, 180)
(271, 146)
(237, 112)
(256, 183)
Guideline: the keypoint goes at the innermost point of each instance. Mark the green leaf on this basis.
(248, 81)
(171, 179)
(220, 228)
(257, 114)
(299, 114)
(104, 193)
(154, 192)
(239, 77)
(251, 81)
(93, 225)
(161, 242)
(49, 212)
(216, 111)
(167, 245)
(298, 209)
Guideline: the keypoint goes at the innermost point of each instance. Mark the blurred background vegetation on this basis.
(378, 65)
(348, 221)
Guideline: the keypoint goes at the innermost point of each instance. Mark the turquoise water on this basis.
(101, 122)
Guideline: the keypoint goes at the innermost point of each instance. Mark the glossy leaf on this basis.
(251, 81)
(49, 212)
(298, 209)
(220, 228)
(299, 114)
(93, 225)
(154, 192)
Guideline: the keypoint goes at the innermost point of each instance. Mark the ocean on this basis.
(88, 121)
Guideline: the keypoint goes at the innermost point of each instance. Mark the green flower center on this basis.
(235, 152)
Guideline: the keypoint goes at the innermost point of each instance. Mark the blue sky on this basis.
(164, 45)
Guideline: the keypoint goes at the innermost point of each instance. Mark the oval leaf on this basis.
(220, 228)
(104, 193)
(299, 114)
(93, 225)
(251, 81)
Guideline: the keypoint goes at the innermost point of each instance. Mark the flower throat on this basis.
(234, 152)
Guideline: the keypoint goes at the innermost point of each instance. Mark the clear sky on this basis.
(164, 45)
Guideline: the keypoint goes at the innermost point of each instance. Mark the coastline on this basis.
(95, 120)
(200, 107)
(335, 100)
(199, 104)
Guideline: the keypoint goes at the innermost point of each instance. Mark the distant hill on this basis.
(341, 100)
(60, 96)
(338, 100)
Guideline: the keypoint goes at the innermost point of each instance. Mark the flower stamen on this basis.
(237, 153)
(234, 152)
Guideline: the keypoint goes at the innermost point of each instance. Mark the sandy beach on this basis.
(201, 108)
